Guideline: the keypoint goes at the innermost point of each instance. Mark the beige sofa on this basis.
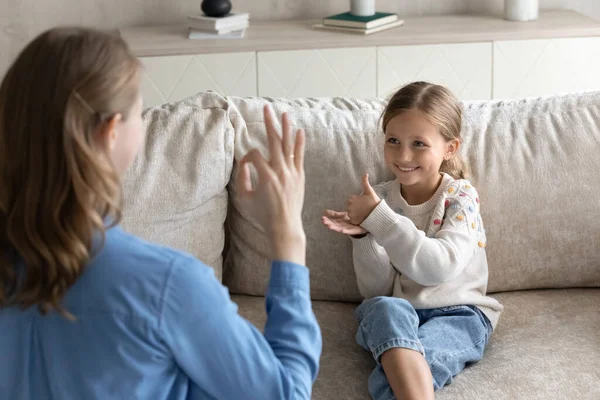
(536, 165)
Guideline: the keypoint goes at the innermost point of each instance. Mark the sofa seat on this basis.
(546, 346)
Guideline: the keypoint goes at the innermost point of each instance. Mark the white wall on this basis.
(21, 20)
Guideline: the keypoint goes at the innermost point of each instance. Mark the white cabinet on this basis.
(479, 57)
(466, 69)
(347, 72)
(526, 68)
(172, 78)
(473, 71)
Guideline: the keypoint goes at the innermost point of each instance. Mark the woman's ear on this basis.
(106, 134)
(452, 147)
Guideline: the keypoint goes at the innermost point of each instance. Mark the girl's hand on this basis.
(276, 200)
(360, 206)
(340, 222)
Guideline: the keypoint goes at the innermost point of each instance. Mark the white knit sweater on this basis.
(431, 254)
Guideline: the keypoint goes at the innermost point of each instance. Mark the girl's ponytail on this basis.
(456, 167)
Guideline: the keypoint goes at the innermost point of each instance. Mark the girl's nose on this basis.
(405, 154)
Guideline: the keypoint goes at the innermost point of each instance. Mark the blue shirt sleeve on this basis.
(223, 354)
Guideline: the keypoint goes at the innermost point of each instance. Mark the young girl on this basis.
(419, 251)
(88, 311)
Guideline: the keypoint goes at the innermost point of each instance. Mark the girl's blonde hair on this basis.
(443, 110)
(58, 188)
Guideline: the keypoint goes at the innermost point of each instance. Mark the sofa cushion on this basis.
(175, 191)
(547, 345)
(535, 164)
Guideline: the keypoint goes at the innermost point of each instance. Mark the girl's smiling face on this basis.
(415, 149)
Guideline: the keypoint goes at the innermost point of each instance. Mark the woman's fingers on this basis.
(265, 173)
(286, 137)
(275, 150)
(284, 148)
(277, 198)
(243, 182)
(299, 150)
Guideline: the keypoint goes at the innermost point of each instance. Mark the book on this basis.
(354, 21)
(220, 31)
(360, 31)
(204, 22)
(193, 34)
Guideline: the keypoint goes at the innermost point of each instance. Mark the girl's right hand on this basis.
(340, 222)
(277, 198)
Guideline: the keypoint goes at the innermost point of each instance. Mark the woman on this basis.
(90, 312)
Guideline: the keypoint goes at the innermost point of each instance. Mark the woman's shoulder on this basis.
(145, 269)
(127, 246)
(148, 256)
(130, 276)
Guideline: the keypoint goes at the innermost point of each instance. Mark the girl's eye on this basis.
(418, 144)
(393, 141)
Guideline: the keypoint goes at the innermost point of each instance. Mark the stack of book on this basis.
(231, 26)
(348, 22)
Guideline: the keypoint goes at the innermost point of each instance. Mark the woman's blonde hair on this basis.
(58, 188)
(443, 110)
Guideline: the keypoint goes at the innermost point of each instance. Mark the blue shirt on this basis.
(155, 323)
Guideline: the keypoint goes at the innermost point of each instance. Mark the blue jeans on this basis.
(448, 337)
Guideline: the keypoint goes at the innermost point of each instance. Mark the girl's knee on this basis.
(387, 322)
(388, 308)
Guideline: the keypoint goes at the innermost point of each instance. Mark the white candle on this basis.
(362, 8)
(521, 10)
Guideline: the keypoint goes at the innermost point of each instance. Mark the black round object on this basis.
(216, 8)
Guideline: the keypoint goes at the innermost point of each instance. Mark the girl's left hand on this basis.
(339, 222)
(360, 206)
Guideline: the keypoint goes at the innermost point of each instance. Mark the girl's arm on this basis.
(374, 272)
(430, 261)
(224, 355)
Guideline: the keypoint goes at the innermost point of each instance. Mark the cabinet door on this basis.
(528, 68)
(346, 72)
(464, 68)
(173, 78)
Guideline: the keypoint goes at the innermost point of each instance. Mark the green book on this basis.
(355, 21)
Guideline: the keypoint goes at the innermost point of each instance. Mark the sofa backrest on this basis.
(537, 167)
(535, 164)
(175, 192)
